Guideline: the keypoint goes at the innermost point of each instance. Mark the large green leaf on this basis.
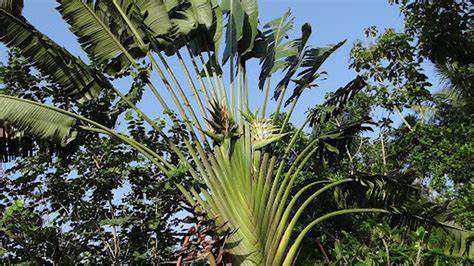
(118, 32)
(250, 8)
(174, 23)
(140, 23)
(102, 36)
(62, 68)
(242, 26)
(37, 120)
(15, 7)
(295, 60)
(312, 61)
(207, 39)
(166, 25)
(274, 32)
(203, 12)
(235, 26)
(217, 25)
(156, 16)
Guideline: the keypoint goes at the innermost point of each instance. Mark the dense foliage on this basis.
(116, 187)
(98, 203)
(429, 147)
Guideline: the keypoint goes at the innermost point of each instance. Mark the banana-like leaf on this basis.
(117, 32)
(102, 36)
(312, 61)
(166, 25)
(247, 42)
(207, 39)
(61, 67)
(378, 190)
(217, 25)
(396, 193)
(37, 120)
(202, 10)
(235, 27)
(156, 16)
(259, 49)
(275, 31)
(241, 27)
(295, 60)
(452, 241)
(15, 7)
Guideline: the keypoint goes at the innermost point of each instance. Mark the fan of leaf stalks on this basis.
(244, 187)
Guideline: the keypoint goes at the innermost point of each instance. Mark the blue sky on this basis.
(331, 20)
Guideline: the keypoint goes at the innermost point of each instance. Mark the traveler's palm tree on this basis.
(244, 185)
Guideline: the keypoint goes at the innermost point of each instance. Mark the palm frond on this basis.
(456, 79)
(312, 61)
(202, 10)
(250, 8)
(102, 36)
(378, 190)
(69, 72)
(37, 120)
(164, 25)
(234, 27)
(16, 144)
(175, 19)
(453, 241)
(275, 31)
(294, 61)
(156, 16)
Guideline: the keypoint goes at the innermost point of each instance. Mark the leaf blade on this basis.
(69, 72)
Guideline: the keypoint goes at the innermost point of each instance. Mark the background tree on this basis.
(431, 150)
(70, 209)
